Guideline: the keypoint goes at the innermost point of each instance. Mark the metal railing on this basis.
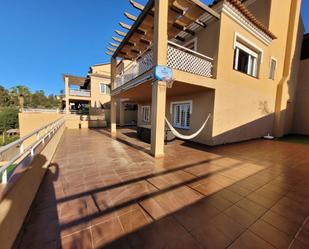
(80, 92)
(40, 139)
(39, 110)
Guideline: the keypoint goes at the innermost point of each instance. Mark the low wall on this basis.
(16, 203)
(84, 121)
(29, 121)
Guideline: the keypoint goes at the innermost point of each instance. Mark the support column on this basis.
(122, 114)
(113, 115)
(67, 94)
(113, 112)
(158, 87)
(113, 73)
(157, 118)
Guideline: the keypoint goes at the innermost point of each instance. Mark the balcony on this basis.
(178, 57)
(80, 93)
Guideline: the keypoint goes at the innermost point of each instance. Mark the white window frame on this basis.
(252, 69)
(173, 106)
(238, 38)
(100, 88)
(241, 42)
(146, 118)
(272, 73)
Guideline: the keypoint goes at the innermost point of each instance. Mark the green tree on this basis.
(8, 120)
(4, 97)
(38, 99)
(17, 91)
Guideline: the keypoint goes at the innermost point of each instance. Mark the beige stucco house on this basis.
(91, 91)
(236, 60)
(91, 95)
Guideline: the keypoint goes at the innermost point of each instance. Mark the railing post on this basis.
(32, 151)
(4, 177)
(21, 148)
(37, 136)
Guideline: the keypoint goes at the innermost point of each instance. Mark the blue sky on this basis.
(41, 39)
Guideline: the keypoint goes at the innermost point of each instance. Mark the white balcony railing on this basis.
(184, 59)
(178, 57)
(136, 68)
(80, 93)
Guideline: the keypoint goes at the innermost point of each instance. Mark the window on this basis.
(146, 113)
(181, 115)
(245, 60)
(105, 89)
(273, 66)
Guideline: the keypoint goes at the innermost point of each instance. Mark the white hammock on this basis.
(187, 137)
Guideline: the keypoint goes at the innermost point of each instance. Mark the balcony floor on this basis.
(105, 193)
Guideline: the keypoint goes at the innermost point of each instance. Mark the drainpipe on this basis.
(290, 48)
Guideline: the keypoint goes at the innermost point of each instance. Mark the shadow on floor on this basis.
(190, 199)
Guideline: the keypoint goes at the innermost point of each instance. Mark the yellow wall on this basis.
(301, 115)
(29, 122)
(202, 105)
(16, 203)
(244, 106)
(98, 98)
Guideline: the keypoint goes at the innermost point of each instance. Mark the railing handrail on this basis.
(80, 90)
(39, 110)
(22, 139)
(31, 147)
(190, 50)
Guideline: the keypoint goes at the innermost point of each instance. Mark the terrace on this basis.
(104, 192)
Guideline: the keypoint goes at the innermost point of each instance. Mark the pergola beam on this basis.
(136, 24)
(113, 44)
(117, 39)
(137, 5)
(111, 49)
(180, 38)
(120, 33)
(130, 16)
(206, 8)
(181, 11)
(125, 26)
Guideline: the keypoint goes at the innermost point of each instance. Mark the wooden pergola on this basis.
(76, 80)
(185, 17)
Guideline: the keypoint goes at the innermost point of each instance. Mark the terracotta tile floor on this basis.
(109, 193)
